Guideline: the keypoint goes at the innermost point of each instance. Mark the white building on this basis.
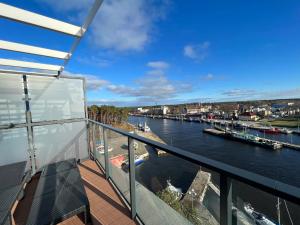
(141, 110)
(165, 110)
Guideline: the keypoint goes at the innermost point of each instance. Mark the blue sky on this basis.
(146, 52)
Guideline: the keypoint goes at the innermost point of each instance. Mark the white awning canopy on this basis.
(34, 19)
(29, 65)
(29, 49)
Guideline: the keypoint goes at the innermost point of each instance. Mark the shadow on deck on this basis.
(105, 205)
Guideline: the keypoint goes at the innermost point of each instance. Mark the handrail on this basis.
(269, 185)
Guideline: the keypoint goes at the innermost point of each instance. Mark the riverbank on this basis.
(278, 165)
(150, 135)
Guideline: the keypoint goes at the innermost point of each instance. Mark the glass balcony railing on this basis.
(166, 185)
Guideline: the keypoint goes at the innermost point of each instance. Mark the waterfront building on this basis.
(248, 116)
(142, 110)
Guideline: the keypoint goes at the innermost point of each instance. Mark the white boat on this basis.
(286, 131)
(258, 218)
(140, 126)
(176, 191)
(145, 128)
(100, 149)
(138, 159)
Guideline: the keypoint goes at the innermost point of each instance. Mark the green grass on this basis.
(285, 123)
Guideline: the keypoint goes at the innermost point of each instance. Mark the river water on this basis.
(282, 165)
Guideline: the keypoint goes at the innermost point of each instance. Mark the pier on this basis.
(196, 194)
(199, 187)
(220, 133)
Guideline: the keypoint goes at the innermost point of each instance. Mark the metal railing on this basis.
(227, 173)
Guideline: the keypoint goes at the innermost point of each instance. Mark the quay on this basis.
(198, 119)
(153, 137)
(196, 194)
(289, 145)
(220, 133)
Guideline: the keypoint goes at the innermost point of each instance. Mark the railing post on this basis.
(132, 176)
(30, 135)
(106, 156)
(225, 200)
(94, 141)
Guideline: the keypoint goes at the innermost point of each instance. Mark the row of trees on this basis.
(108, 114)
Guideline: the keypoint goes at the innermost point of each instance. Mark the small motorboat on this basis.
(259, 218)
(271, 130)
(100, 149)
(286, 131)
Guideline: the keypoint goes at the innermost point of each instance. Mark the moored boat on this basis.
(100, 148)
(252, 139)
(258, 218)
(176, 191)
(271, 130)
(145, 128)
(138, 160)
(286, 131)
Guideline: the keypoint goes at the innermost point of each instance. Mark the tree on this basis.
(108, 114)
(182, 207)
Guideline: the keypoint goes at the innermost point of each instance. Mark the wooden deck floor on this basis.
(106, 206)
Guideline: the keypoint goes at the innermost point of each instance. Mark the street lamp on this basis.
(193, 194)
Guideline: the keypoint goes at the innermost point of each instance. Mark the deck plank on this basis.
(106, 206)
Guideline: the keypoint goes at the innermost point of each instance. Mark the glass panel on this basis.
(12, 105)
(99, 144)
(59, 142)
(170, 190)
(56, 99)
(253, 206)
(118, 161)
(13, 146)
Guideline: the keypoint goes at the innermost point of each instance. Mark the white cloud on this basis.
(159, 65)
(208, 77)
(151, 88)
(94, 60)
(93, 83)
(197, 52)
(119, 25)
(258, 94)
(156, 72)
(239, 93)
(68, 5)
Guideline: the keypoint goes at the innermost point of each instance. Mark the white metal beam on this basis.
(31, 65)
(12, 46)
(35, 19)
(92, 13)
(2, 71)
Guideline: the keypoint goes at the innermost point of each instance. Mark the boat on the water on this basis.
(271, 130)
(140, 126)
(145, 128)
(286, 131)
(176, 191)
(258, 218)
(252, 139)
